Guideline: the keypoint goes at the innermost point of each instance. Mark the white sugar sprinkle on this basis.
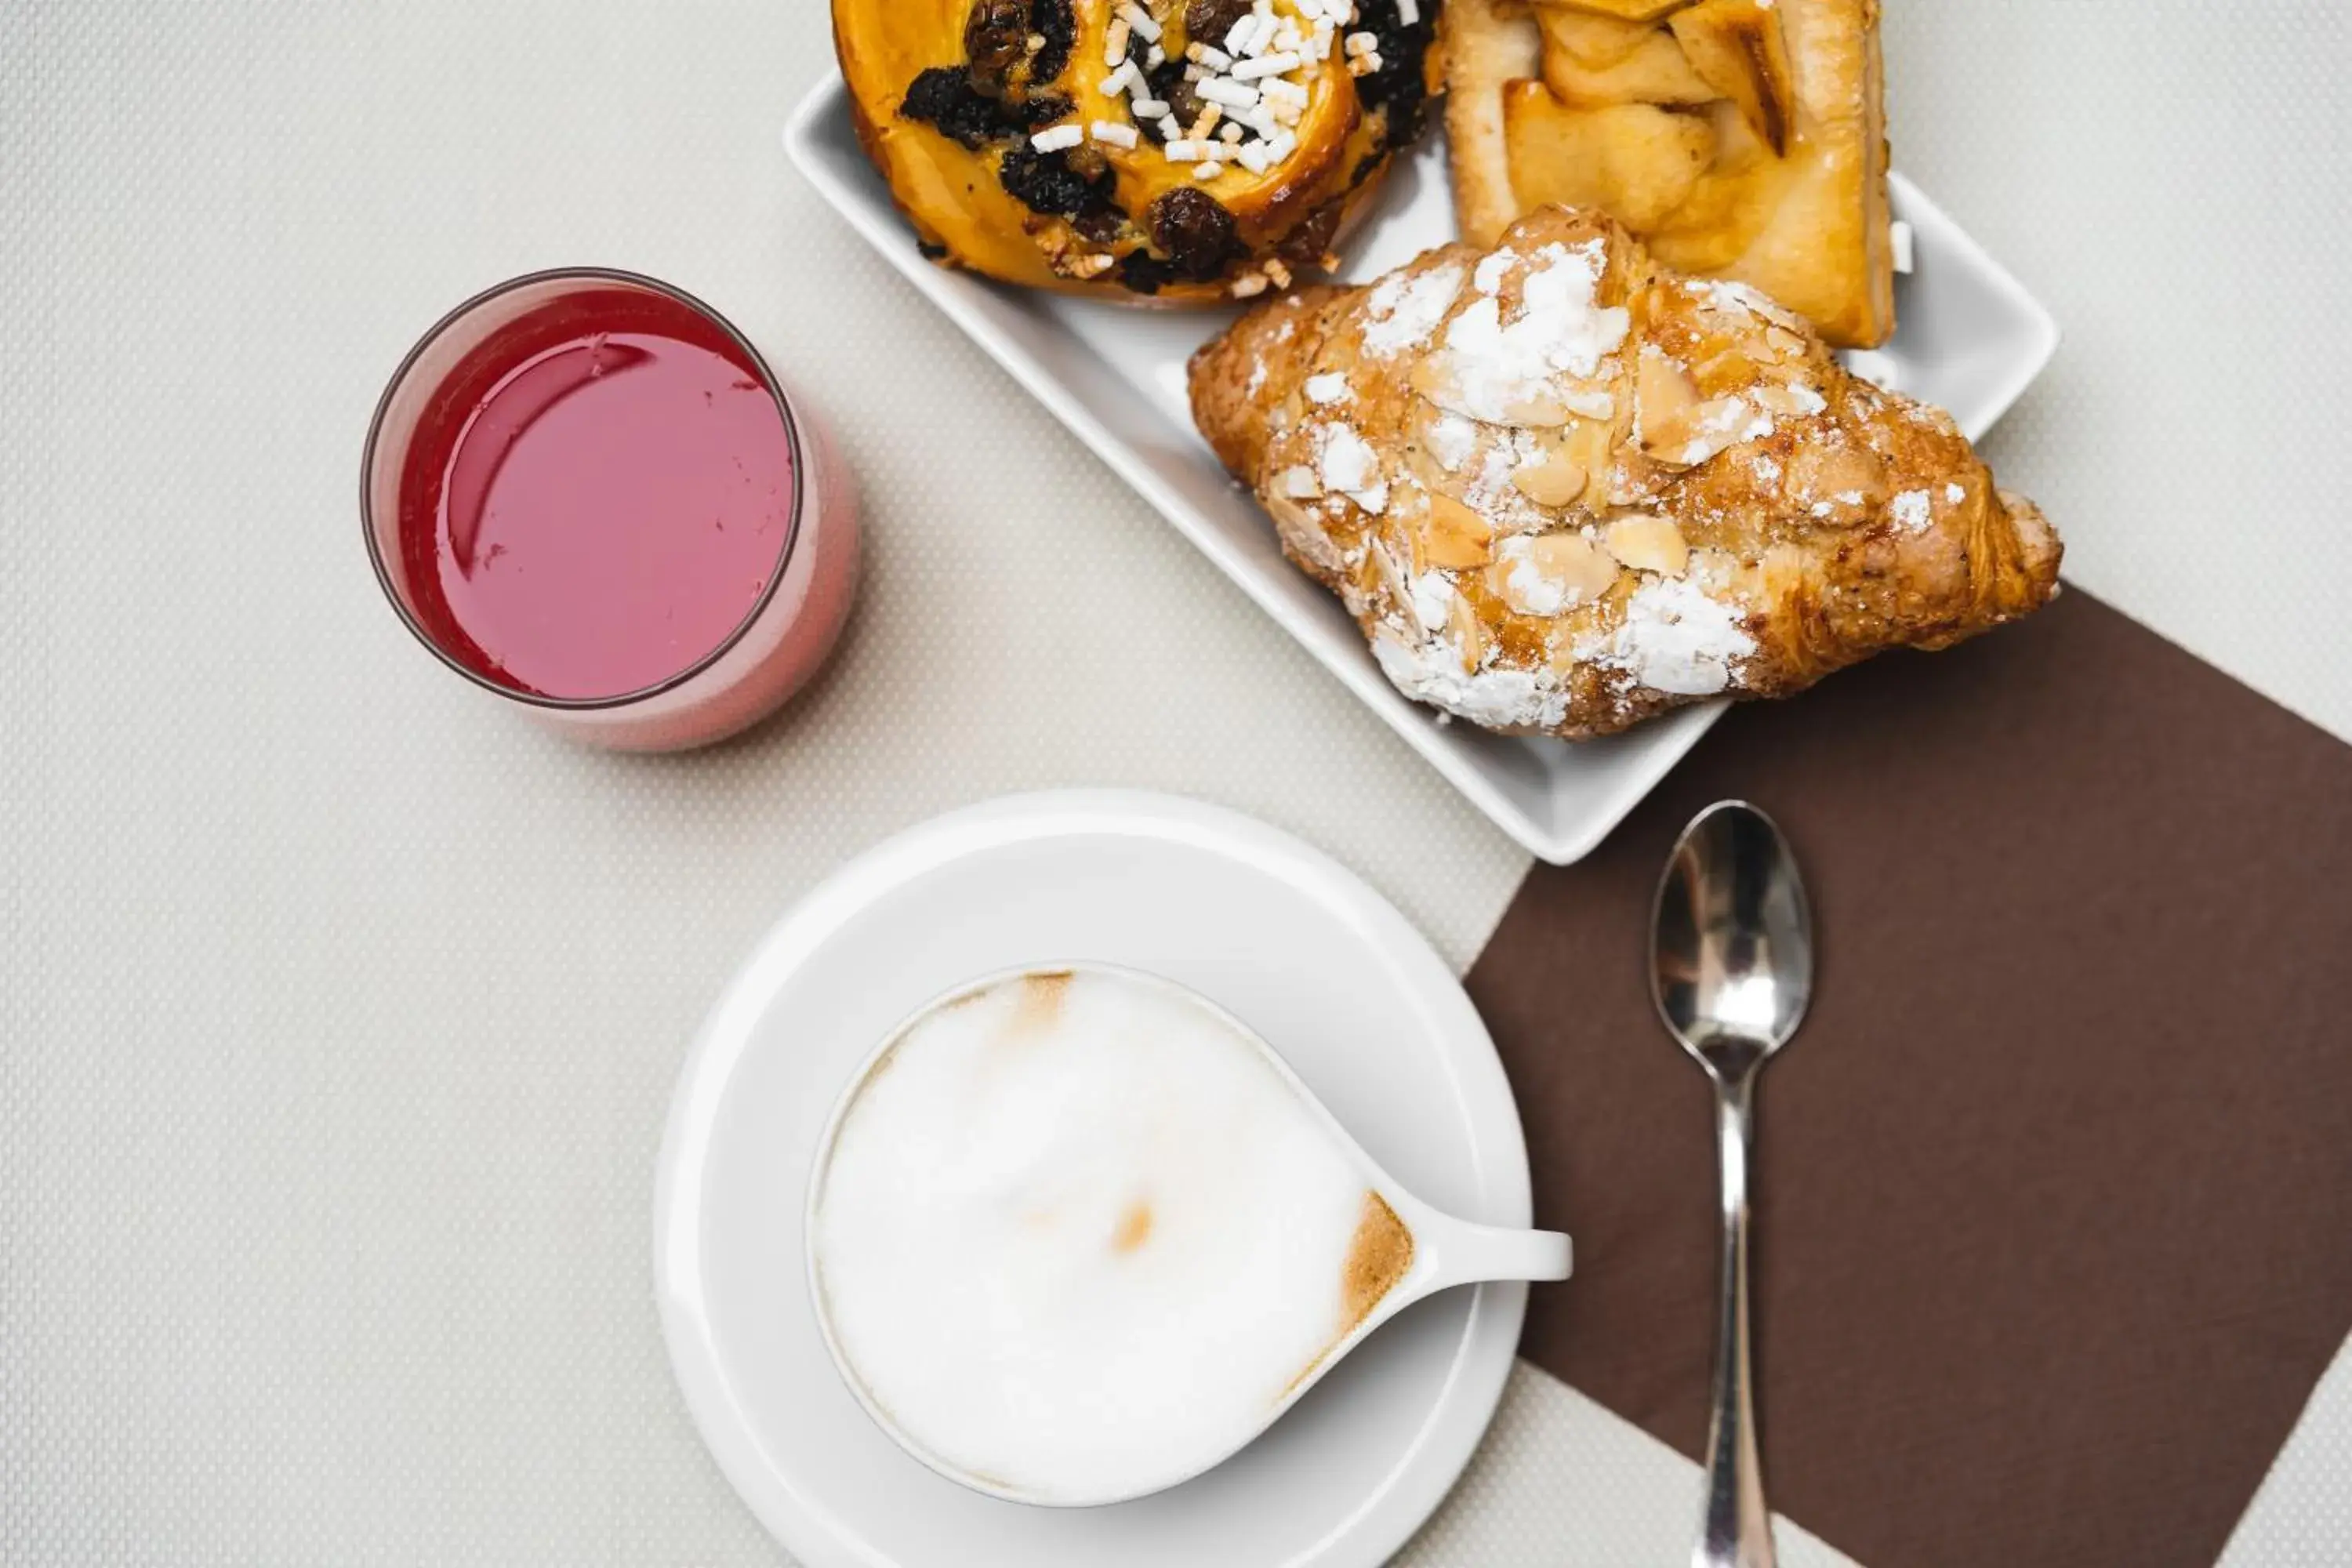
(1351, 467)
(1452, 438)
(1266, 65)
(1678, 641)
(1429, 671)
(1406, 309)
(1328, 387)
(1499, 367)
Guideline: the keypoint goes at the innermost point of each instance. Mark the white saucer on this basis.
(1322, 966)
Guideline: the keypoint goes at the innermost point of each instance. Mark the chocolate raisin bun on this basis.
(1175, 150)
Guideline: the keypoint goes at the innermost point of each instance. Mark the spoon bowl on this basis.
(1732, 964)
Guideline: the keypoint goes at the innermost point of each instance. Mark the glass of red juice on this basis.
(586, 491)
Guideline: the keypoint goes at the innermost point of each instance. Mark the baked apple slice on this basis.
(1623, 10)
(1634, 160)
(1735, 47)
(1588, 62)
(1609, 103)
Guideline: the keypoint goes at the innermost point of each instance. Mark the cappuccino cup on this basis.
(1075, 1234)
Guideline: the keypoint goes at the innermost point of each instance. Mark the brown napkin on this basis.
(2054, 1229)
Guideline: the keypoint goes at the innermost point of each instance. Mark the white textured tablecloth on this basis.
(338, 1009)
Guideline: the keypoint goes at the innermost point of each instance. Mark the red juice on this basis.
(597, 498)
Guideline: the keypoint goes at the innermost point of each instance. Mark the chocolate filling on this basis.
(1046, 183)
(1398, 86)
(1057, 22)
(944, 97)
(1141, 272)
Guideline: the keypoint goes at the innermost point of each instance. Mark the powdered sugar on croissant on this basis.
(1562, 490)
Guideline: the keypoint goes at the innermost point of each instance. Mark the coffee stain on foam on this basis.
(1378, 1257)
(881, 1064)
(1042, 993)
(1134, 1227)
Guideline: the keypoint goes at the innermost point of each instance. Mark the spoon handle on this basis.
(1738, 1531)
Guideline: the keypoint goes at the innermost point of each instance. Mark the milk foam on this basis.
(1078, 1237)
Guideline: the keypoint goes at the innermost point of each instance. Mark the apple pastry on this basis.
(1562, 488)
(1176, 150)
(1738, 138)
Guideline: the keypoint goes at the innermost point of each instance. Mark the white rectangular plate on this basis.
(1970, 338)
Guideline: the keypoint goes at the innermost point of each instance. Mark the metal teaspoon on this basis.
(1731, 970)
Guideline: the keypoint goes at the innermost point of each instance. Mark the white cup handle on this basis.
(1456, 1252)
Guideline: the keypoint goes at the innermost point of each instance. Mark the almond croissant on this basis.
(1562, 490)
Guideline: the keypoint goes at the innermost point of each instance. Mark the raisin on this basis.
(1056, 22)
(1208, 21)
(943, 96)
(1195, 232)
(1103, 224)
(1169, 85)
(996, 38)
(1045, 182)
